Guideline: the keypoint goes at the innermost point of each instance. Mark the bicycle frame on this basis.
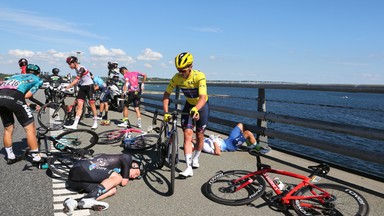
(284, 195)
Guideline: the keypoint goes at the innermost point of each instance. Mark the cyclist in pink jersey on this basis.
(133, 90)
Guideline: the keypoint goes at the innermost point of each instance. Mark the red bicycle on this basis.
(239, 187)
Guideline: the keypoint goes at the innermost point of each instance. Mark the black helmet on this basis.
(71, 59)
(55, 71)
(113, 65)
(23, 62)
(32, 68)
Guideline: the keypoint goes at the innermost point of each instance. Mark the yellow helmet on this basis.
(183, 60)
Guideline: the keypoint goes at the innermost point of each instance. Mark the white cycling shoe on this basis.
(73, 127)
(187, 173)
(69, 206)
(91, 203)
(195, 164)
(94, 126)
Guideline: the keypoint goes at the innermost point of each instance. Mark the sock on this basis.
(196, 155)
(188, 160)
(77, 119)
(10, 153)
(94, 119)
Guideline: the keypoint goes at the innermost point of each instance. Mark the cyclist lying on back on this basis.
(99, 177)
(216, 144)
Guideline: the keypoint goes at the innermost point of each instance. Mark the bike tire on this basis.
(79, 138)
(344, 201)
(110, 137)
(220, 188)
(52, 116)
(161, 155)
(172, 162)
(61, 163)
(143, 142)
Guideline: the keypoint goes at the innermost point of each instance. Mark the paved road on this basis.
(33, 192)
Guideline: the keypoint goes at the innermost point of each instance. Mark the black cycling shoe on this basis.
(16, 159)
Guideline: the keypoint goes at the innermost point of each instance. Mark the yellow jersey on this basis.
(192, 87)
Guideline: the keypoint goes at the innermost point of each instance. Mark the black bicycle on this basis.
(167, 147)
(68, 148)
(54, 115)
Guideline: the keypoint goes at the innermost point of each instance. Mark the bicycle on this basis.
(130, 138)
(168, 150)
(239, 187)
(70, 146)
(54, 115)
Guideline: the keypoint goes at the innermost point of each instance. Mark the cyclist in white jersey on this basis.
(86, 90)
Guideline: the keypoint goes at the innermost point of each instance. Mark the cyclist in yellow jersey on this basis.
(194, 86)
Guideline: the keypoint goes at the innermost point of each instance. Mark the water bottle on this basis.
(278, 183)
(43, 166)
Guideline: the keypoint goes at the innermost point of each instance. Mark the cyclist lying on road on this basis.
(99, 176)
(216, 144)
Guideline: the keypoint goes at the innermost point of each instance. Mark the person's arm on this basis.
(165, 101)
(217, 148)
(124, 182)
(73, 83)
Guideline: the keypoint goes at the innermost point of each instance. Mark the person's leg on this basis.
(93, 107)
(106, 110)
(7, 139)
(188, 133)
(250, 137)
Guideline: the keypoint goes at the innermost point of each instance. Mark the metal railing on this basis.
(263, 117)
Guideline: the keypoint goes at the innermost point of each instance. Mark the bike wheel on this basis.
(221, 189)
(110, 137)
(79, 138)
(61, 163)
(142, 142)
(52, 116)
(161, 155)
(172, 162)
(343, 201)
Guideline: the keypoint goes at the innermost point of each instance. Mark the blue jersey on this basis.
(22, 83)
(99, 82)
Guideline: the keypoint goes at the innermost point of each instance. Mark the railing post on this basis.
(261, 107)
(177, 97)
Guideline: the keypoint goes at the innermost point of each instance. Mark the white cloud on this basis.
(147, 65)
(212, 57)
(11, 18)
(149, 54)
(21, 53)
(102, 51)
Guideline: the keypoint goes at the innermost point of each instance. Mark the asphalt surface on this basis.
(32, 191)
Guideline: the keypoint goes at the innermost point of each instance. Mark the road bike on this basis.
(54, 115)
(130, 138)
(68, 147)
(167, 147)
(239, 187)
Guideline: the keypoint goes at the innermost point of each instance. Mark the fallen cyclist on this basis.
(238, 136)
(99, 177)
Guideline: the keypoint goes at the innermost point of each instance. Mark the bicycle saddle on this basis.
(323, 168)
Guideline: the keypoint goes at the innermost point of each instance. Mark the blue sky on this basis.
(304, 41)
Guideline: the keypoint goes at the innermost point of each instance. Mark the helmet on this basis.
(71, 59)
(141, 166)
(32, 68)
(23, 62)
(183, 60)
(55, 71)
(113, 65)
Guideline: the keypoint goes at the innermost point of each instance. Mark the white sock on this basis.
(196, 155)
(77, 119)
(10, 153)
(188, 160)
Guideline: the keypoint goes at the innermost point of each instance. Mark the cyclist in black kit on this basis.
(99, 176)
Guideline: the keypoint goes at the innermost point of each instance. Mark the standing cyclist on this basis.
(23, 65)
(104, 96)
(133, 90)
(12, 102)
(55, 81)
(194, 86)
(86, 90)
